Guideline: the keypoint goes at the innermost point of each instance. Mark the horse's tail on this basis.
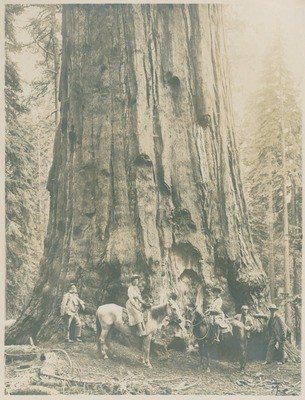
(98, 327)
(98, 332)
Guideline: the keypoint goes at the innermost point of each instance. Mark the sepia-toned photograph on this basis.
(153, 198)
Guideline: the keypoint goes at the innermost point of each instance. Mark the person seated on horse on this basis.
(246, 319)
(216, 312)
(134, 306)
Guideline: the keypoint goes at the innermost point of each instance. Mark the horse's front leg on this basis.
(200, 345)
(204, 356)
(146, 351)
(207, 358)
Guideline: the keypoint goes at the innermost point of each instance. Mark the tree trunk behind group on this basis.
(145, 176)
(56, 64)
(285, 226)
(270, 233)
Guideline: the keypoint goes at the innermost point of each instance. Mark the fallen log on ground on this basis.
(34, 390)
(21, 352)
(8, 323)
(69, 379)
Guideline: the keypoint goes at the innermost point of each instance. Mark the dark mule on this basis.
(111, 315)
(203, 333)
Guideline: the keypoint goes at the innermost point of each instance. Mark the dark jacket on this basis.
(276, 327)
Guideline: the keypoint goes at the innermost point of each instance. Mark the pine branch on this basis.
(42, 48)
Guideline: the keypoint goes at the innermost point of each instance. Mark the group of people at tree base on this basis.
(276, 328)
(71, 304)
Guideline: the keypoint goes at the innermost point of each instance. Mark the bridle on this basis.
(199, 323)
(174, 309)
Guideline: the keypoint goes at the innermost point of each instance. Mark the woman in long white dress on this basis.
(134, 306)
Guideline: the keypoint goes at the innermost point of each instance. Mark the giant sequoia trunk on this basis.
(145, 176)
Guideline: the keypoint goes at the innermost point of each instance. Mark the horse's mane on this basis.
(157, 311)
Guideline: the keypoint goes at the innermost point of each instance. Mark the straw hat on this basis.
(71, 284)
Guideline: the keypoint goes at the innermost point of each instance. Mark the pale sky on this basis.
(258, 23)
(262, 22)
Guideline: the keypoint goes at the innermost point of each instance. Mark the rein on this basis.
(199, 323)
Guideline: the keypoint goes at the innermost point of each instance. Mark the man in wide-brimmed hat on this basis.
(69, 308)
(277, 335)
(134, 305)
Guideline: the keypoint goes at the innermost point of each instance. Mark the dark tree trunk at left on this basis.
(145, 176)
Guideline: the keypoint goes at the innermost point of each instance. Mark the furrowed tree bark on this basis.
(145, 176)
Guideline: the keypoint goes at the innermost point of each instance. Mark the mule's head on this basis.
(189, 315)
(174, 311)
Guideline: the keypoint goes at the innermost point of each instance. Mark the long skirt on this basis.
(135, 316)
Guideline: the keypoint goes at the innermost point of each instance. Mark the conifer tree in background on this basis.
(272, 159)
(20, 170)
(31, 121)
(44, 31)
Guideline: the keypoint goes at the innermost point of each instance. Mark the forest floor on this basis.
(173, 372)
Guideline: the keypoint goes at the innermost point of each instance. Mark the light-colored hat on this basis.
(245, 307)
(273, 307)
(133, 277)
(71, 284)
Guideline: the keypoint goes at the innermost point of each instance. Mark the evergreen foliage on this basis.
(29, 143)
(21, 241)
(273, 112)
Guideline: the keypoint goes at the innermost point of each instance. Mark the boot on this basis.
(217, 333)
(141, 331)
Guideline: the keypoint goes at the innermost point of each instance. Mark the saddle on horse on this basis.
(126, 321)
(218, 318)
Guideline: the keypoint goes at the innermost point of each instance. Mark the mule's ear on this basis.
(172, 304)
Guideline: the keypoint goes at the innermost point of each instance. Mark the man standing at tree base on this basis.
(70, 305)
(277, 335)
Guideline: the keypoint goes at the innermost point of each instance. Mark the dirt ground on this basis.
(173, 372)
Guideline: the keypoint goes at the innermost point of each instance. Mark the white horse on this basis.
(111, 315)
